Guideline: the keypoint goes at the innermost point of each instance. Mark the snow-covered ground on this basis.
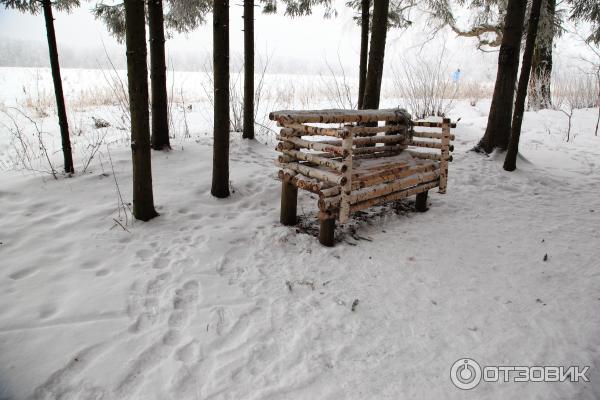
(215, 299)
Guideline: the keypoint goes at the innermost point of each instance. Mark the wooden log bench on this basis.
(355, 159)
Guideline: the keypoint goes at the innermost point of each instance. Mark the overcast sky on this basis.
(304, 37)
(297, 43)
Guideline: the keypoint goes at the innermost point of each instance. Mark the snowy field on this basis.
(216, 300)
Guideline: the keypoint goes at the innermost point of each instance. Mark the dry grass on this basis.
(474, 91)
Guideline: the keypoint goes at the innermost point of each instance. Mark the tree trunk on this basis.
(158, 76)
(220, 177)
(364, 50)
(534, 97)
(510, 162)
(540, 96)
(497, 132)
(58, 90)
(376, 54)
(248, 70)
(598, 102)
(545, 67)
(137, 75)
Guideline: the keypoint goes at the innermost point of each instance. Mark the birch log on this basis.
(368, 130)
(430, 135)
(347, 185)
(281, 146)
(282, 159)
(428, 124)
(300, 181)
(379, 149)
(371, 140)
(393, 196)
(427, 156)
(339, 116)
(424, 143)
(445, 153)
(381, 190)
(316, 173)
(325, 162)
(296, 130)
(389, 176)
(374, 179)
(314, 145)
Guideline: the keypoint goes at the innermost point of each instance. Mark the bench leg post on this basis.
(421, 203)
(289, 201)
(326, 232)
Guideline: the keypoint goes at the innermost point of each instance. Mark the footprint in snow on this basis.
(22, 273)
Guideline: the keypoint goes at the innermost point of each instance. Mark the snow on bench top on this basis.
(339, 116)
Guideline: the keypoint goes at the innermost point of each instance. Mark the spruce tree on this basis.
(510, 162)
(248, 129)
(181, 16)
(158, 76)
(376, 54)
(497, 132)
(137, 77)
(397, 17)
(46, 6)
(220, 174)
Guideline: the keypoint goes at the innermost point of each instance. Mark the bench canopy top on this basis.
(339, 116)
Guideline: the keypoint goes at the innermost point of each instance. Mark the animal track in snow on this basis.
(183, 306)
(23, 273)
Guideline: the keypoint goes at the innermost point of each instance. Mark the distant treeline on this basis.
(34, 54)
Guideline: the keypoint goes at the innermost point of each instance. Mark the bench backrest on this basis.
(325, 163)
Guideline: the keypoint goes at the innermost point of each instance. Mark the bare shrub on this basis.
(178, 122)
(177, 109)
(536, 85)
(30, 150)
(90, 146)
(207, 86)
(120, 95)
(338, 89)
(236, 101)
(594, 69)
(573, 92)
(263, 99)
(264, 103)
(424, 87)
(95, 96)
(38, 99)
(125, 216)
(473, 91)
(306, 97)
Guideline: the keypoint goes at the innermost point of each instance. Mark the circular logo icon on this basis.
(465, 373)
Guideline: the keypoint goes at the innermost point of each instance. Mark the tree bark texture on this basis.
(137, 75)
(364, 50)
(248, 129)
(158, 76)
(497, 132)
(220, 176)
(58, 89)
(513, 146)
(540, 95)
(376, 54)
